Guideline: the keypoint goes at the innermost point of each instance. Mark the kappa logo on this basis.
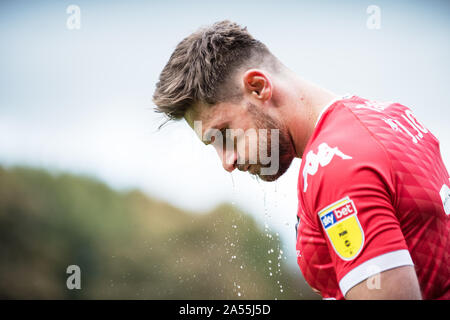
(323, 157)
(445, 197)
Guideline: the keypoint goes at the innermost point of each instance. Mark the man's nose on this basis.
(228, 158)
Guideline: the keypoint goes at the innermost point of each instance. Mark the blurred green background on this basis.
(129, 246)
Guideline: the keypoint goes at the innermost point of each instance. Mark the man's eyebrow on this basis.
(218, 124)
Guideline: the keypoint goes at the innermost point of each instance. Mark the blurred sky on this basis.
(80, 100)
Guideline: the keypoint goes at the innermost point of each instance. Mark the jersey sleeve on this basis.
(349, 192)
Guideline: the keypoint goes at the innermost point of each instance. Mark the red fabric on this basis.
(389, 165)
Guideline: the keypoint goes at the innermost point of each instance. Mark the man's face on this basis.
(245, 137)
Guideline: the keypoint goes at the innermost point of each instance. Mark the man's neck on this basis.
(303, 103)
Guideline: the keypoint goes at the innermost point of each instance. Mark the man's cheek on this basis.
(270, 157)
(252, 149)
(241, 150)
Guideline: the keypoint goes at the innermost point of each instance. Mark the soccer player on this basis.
(374, 196)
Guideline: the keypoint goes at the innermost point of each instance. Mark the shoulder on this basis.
(343, 155)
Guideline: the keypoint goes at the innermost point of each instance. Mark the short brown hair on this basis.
(201, 64)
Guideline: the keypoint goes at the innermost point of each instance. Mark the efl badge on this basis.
(343, 229)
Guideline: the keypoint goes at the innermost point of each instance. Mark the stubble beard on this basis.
(286, 152)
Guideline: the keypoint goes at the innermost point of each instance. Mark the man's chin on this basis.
(273, 177)
(269, 178)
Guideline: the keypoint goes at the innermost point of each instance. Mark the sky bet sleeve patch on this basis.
(341, 224)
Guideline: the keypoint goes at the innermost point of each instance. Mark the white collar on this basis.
(324, 109)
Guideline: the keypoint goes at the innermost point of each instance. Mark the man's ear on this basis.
(258, 84)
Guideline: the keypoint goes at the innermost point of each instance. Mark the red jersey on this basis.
(373, 195)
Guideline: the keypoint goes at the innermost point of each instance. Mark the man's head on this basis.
(222, 78)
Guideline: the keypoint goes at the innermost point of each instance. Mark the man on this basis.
(374, 196)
